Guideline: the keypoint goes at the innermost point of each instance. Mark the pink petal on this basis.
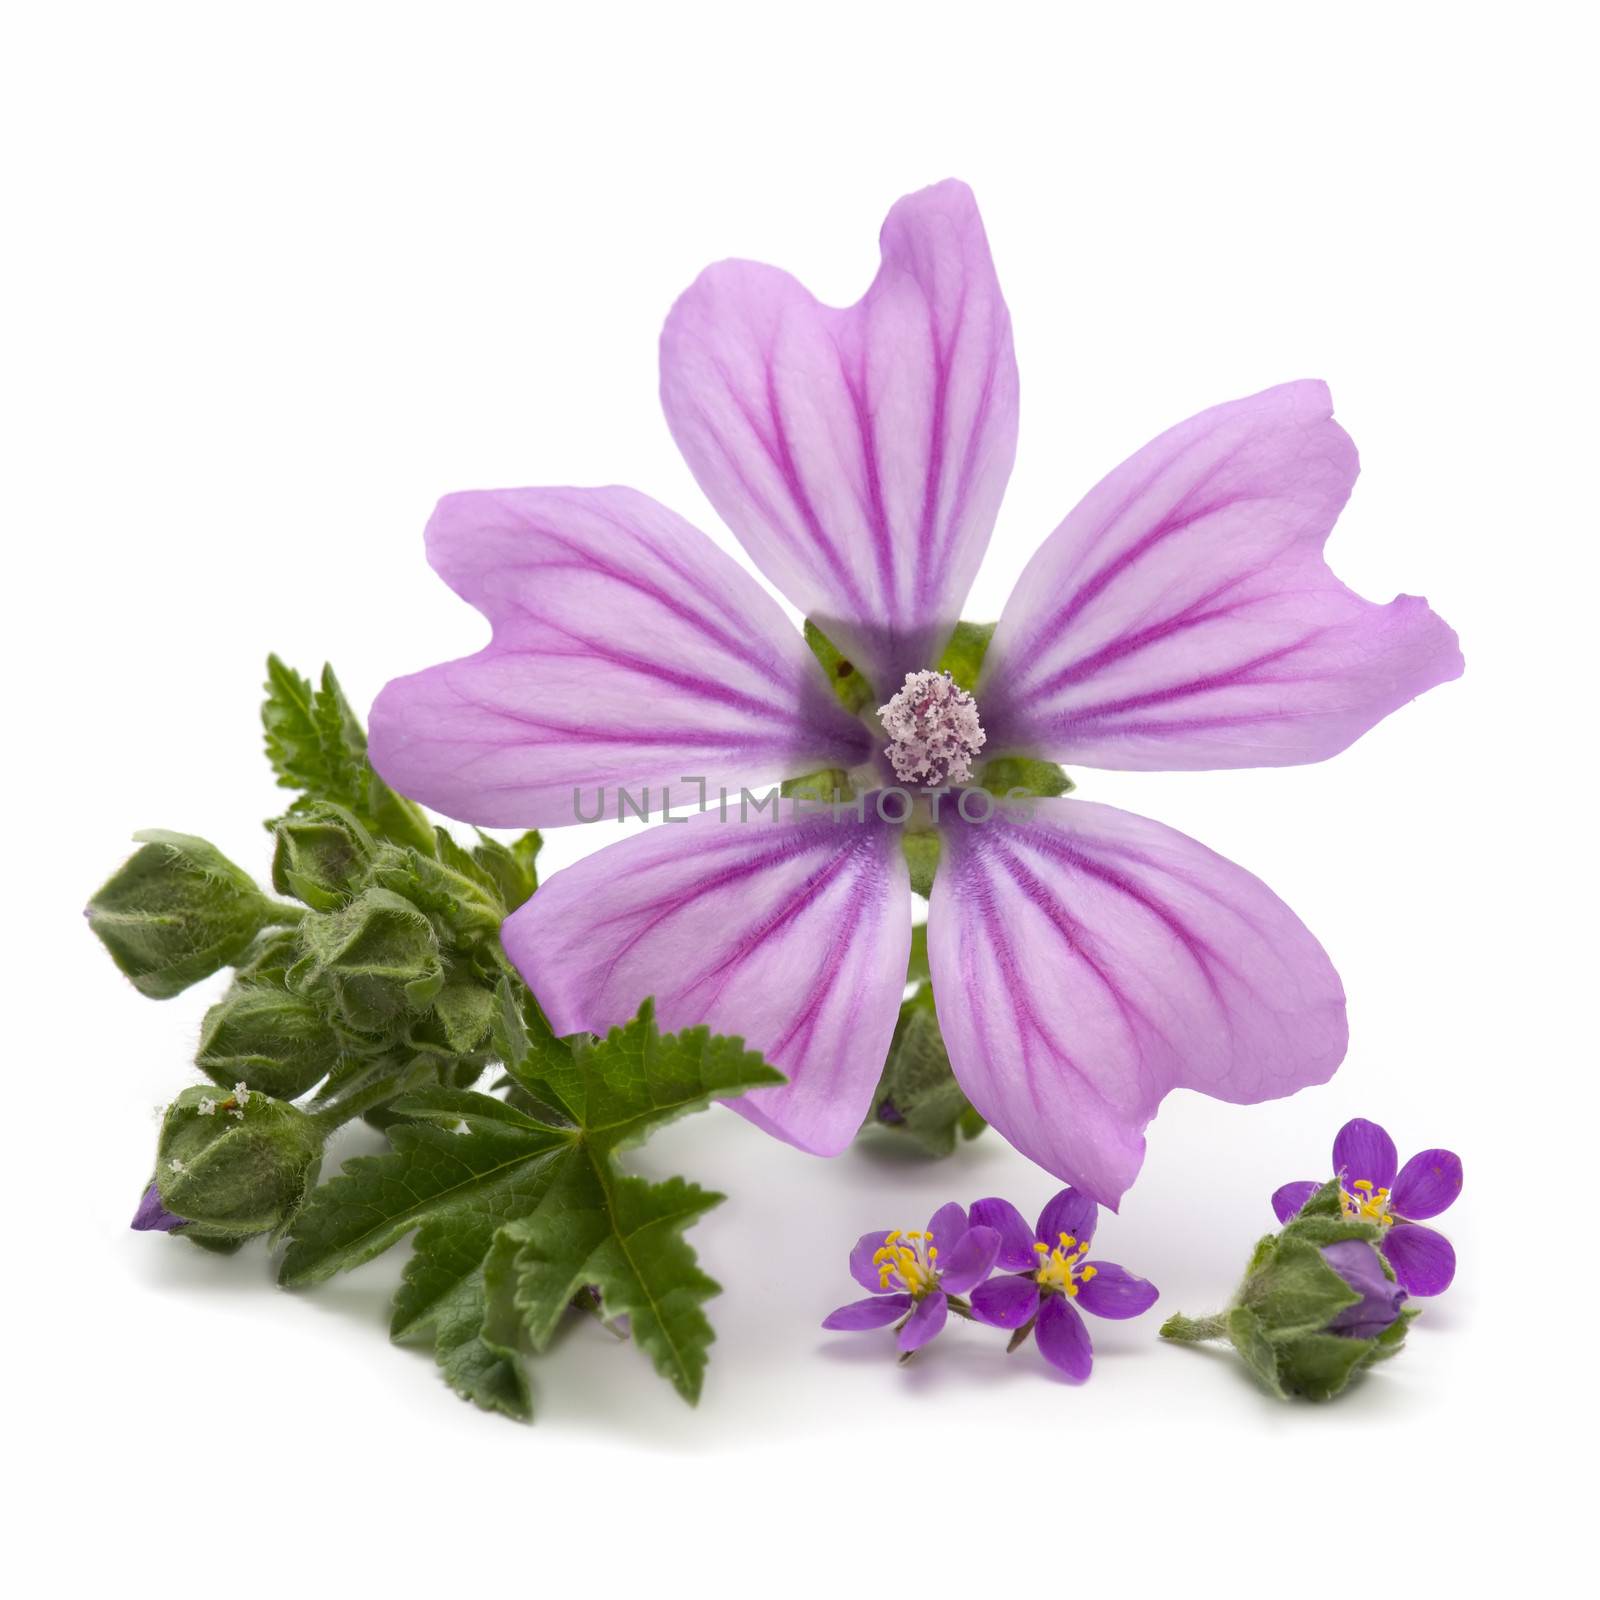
(1086, 961)
(628, 652)
(1183, 617)
(858, 455)
(792, 934)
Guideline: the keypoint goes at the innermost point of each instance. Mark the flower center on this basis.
(933, 730)
(1363, 1203)
(1061, 1269)
(907, 1263)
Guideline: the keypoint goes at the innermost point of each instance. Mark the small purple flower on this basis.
(1365, 1162)
(1381, 1297)
(152, 1216)
(913, 1275)
(1047, 1281)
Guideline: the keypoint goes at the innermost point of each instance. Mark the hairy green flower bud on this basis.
(268, 960)
(277, 1041)
(1318, 1305)
(232, 1165)
(918, 1097)
(177, 911)
(321, 855)
(377, 959)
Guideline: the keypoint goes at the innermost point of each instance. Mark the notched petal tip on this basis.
(627, 652)
(1086, 961)
(858, 454)
(1182, 616)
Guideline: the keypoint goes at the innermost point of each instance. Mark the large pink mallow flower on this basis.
(1085, 961)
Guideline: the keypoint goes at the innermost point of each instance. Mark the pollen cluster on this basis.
(907, 1262)
(1062, 1268)
(1361, 1202)
(933, 729)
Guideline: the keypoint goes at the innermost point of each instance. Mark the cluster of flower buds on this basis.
(380, 962)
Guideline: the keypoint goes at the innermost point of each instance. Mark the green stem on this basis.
(1191, 1330)
(382, 1082)
(281, 914)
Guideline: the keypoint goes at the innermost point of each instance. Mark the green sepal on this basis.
(827, 786)
(268, 960)
(450, 886)
(510, 866)
(963, 655)
(320, 855)
(239, 1168)
(1295, 1291)
(853, 690)
(1318, 1365)
(1324, 1203)
(921, 851)
(316, 744)
(464, 1011)
(1389, 1342)
(377, 959)
(1249, 1337)
(1011, 777)
(177, 911)
(917, 970)
(275, 1041)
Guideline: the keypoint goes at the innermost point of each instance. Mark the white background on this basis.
(280, 275)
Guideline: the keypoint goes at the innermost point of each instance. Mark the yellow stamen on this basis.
(1060, 1269)
(906, 1262)
(1362, 1202)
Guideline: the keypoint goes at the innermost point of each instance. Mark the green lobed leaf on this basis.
(316, 744)
(515, 1215)
(623, 1237)
(621, 1088)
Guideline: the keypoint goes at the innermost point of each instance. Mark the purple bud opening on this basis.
(152, 1216)
(1381, 1297)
